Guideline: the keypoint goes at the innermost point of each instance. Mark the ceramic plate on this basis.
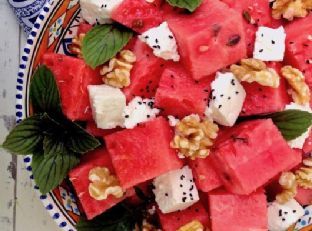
(52, 32)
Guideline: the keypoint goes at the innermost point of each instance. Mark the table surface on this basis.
(20, 208)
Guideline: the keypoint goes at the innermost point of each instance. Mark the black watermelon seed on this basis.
(233, 40)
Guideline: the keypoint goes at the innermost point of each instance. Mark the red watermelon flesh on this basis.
(179, 95)
(255, 13)
(304, 196)
(263, 100)
(92, 129)
(73, 76)
(307, 147)
(238, 212)
(173, 221)
(255, 147)
(79, 176)
(146, 72)
(212, 41)
(206, 177)
(139, 15)
(142, 153)
(299, 46)
(84, 28)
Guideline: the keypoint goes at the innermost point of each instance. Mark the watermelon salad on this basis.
(179, 115)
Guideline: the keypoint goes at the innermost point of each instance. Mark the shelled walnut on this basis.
(288, 182)
(304, 174)
(117, 72)
(289, 9)
(300, 90)
(194, 137)
(103, 184)
(192, 226)
(76, 45)
(254, 70)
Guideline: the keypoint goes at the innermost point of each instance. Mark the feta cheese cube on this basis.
(227, 99)
(98, 11)
(175, 190)
(107, 105)
(162, 41)
(139, 110)
(281, 216)
(270, 44)
(299, 141)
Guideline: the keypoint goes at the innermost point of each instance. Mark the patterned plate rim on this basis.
(55, 210)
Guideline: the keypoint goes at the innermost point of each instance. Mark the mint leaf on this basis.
(26, 137)
(118, 218)
(103, 42)
(50, 170)
(191, 5)
(44, 92)
(292, 123)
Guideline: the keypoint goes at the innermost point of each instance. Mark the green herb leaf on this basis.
(50, 170)
(26, 137)
(191, 5)
(44, 92)
(118, 218)
(292, 123)
(103, 42)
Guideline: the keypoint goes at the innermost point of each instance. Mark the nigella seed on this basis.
(236, 92)
(181, 185)
(273, 42)
(191, 195)
(233, 40)
(166, 194)
(261, 50)
(294, 211)
(146, 37)
(213, 97)
(283, 219)
(170, 36)
(192, 187)
(233, 82)
(219, 106)
(140, 103)
(280, 212)
(127, 116)
(184, 193)
(191, 180)
(229, 98)
(156, 41)
(285, 212)
(182, 177)
(155, 46)
(148, 116)
(184, 199)
(221, 95)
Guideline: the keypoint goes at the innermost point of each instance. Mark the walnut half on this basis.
(288, 182)
(289, 9)
(192, 226)
(254, 70)
(304, 174)
(194, 137)
(103, 184)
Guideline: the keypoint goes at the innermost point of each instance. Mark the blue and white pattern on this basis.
(305, 220)
(27, 12)
(56, 29)
(56, 210)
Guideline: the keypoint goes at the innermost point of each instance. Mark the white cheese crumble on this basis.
(107, 105)
(281, 216)
(227, 99)
(270, 44)
(98, 11)
(162, 41)
(173, 121)
(299, 141)
(175, 190)
(138, 111)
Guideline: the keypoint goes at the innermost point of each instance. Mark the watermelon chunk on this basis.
(146, 72)
(179, 95)
(73, 76)
(213, 41)
(307, 147)
(236, 212)
(79, 176)
(304, 196)
(206, 177)
(84, 28)
(173, 221)
(255, 13)
(142, 153)
(139, 15)
(299, 46)
(255, 147)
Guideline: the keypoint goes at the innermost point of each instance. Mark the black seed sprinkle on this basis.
(182, 177)
(181, 185)
(294, 211)
(213, 97)
(155, 46)
(283, 219)
(229, 98)
(140, 103)
(236, 92)
(261, 35)
(184, 193)
(191, 180)
(273, 42)
(148, 116)
(285, 212)
(166, 194)
(191, 195)
(156, 41)
(233, 82)
(170, 36)
(221, 95)
(220, 106)
(146, 37)
(261, 50)
(192, 187)
(126, 116)
(184, 199)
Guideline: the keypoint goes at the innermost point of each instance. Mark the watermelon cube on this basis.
(73, 76)
(173, 221)
(146, 72)
(79, 176)
(84, 28)
(139, 15)
(304, 196)
(299, 46)
(179, 95)
(142, 153)
(238, 212)
(212, 41)
(248, 155)
(206, 177)
(307, 147)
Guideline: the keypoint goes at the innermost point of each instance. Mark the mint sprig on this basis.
(190, 5)
(55, 142)
(103, 42)
(292, 123)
